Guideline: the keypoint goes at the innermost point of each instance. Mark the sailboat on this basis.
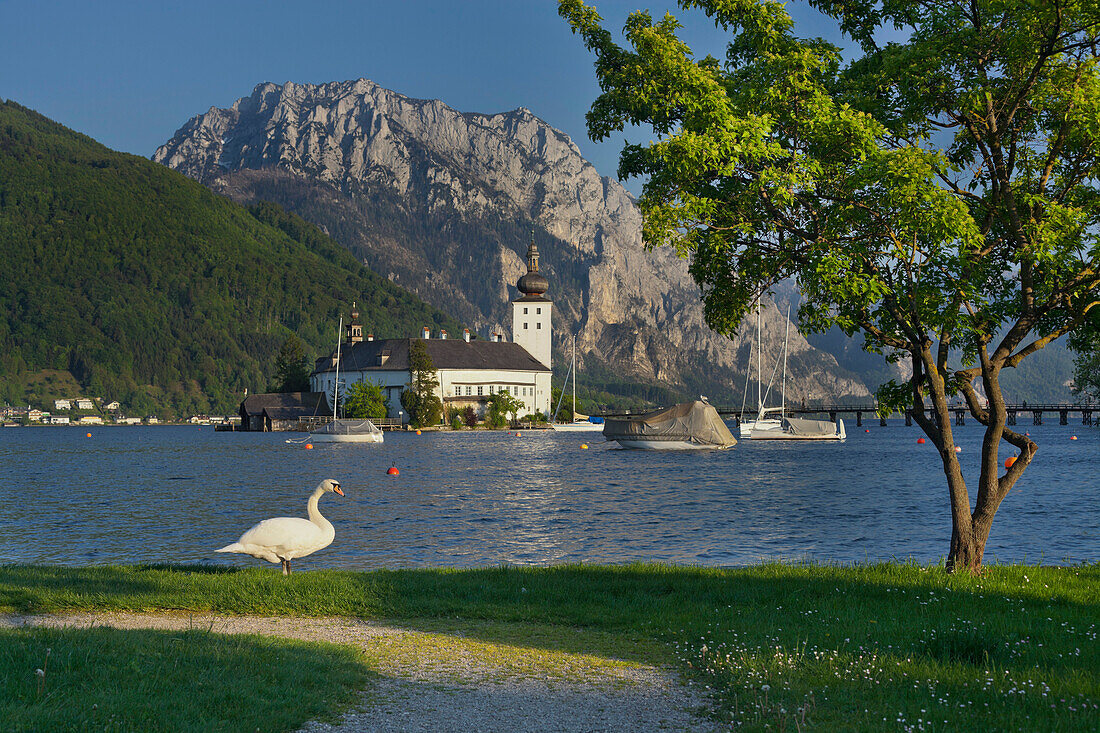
(746, 426)
(344, 430)
(581, 423)
(783, 427)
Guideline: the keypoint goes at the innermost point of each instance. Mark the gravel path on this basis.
(449, 682)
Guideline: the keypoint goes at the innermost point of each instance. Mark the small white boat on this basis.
(345, 430)
(783, 427)
(793, 428)
(581, 423)
(577, 426)
(687, 426)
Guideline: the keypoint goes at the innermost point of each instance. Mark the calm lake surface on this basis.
(175, 494)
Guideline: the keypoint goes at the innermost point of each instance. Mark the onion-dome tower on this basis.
(531, 311)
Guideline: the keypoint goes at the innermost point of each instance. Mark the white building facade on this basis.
(469, 370)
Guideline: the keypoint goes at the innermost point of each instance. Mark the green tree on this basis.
(502, 404)
(937, 194)
(292, 367)
(420, 399)
(364, 400)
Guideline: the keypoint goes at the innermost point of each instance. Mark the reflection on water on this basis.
(174, 494)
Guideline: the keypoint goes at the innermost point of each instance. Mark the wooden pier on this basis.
(1086, 412)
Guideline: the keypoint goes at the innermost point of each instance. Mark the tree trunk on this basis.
(967, 550)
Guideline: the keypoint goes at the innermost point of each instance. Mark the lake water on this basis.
(175, 494)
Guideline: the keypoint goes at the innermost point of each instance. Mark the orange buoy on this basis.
(88, 435)
(309, 446)
(958, 449)
(584, 446)
(392, 471)
(517, 435)
(867, 431)
(920, 441)
(1072, 437)
(418, 432)
(1009, 461)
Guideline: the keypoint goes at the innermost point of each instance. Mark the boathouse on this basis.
(281, 411)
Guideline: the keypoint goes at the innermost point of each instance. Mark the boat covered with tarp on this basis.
(796, 428)
(347, 431)
(687, 426)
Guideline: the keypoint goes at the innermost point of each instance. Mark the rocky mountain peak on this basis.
(441, 201)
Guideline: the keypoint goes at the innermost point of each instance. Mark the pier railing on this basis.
(1087, 412)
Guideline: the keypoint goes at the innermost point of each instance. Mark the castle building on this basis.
(469, 370)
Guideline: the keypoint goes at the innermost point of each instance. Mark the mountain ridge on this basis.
(437, 200)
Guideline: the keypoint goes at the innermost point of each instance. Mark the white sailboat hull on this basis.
(746, 427)
(366, 438)
(577, 427)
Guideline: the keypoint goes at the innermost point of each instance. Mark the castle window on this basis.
(467, 390)
(479, 390)
(538, 310)
(524, 311)
(538, 325)
(492, 388)
(524, 326)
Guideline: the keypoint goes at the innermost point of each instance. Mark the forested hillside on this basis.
(152, 290)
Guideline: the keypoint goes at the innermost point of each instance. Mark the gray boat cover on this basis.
(347, 427)
(798, 426)
(695, 422)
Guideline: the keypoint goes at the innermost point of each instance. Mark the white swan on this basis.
(282, 539)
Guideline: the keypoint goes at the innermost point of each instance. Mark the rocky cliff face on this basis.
(444, 203)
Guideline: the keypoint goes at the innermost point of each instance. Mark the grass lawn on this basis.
(109, 680)
(781, 646)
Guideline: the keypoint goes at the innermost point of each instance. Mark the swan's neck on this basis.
(315, 514)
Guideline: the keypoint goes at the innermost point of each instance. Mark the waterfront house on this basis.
(469, 370)
(90, 420)
(83, 403)
(59, 419)
(35, 415)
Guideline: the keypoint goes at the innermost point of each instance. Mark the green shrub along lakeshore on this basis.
(779, 646)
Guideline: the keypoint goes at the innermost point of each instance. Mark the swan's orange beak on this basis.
(337, 490)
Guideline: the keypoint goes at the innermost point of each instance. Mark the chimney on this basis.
(466, 335)
(370, 337)
(425, 332)
(442, 334)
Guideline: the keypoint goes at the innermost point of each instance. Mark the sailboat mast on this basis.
(336, 384)
(759, 364)
(573, 370)
(786, 335)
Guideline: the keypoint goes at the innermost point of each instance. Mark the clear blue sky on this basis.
(129, 74)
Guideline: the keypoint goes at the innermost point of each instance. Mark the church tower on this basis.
(354, 329)
(531, 310)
